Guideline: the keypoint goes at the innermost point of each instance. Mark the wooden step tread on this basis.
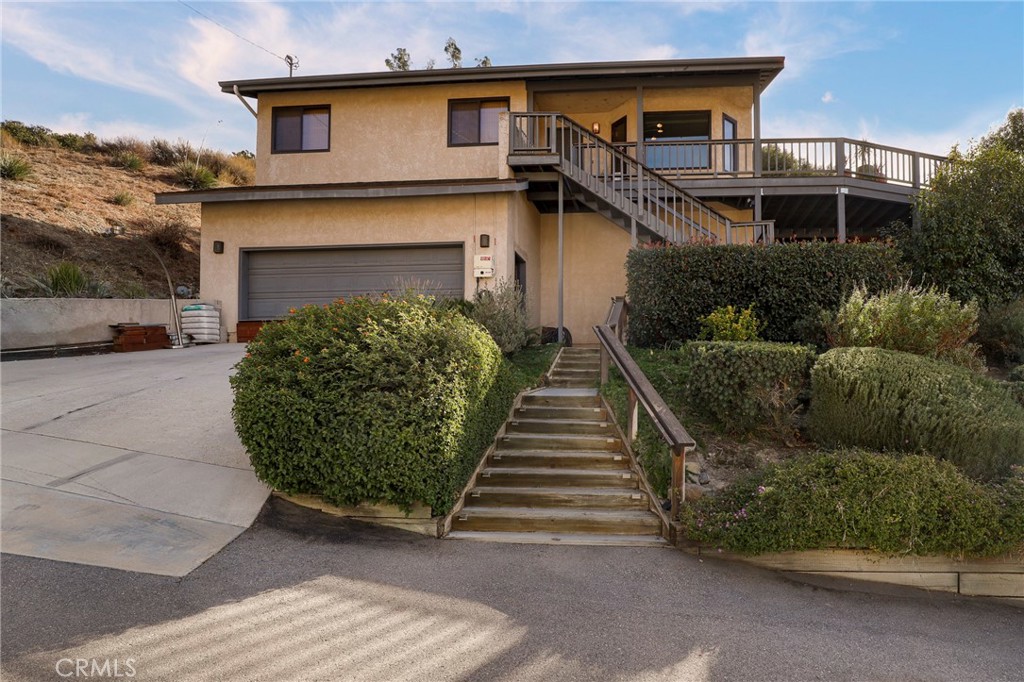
(624, 474)
(547, 538)
(544, 490)
(558, 513)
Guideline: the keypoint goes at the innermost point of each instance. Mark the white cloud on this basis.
(805, 33)
(828, 97)
(71, 47)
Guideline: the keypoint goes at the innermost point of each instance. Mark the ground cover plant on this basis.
(888, 400)
(389, 400)
(854, 499)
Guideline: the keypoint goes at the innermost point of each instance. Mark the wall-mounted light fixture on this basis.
(596, 127)
(218, 247)
(485, 241)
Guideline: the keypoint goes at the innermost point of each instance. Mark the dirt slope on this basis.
(61, 211)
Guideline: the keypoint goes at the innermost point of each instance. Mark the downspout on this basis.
(242, 100)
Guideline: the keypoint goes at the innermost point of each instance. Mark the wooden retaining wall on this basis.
(1001, 577)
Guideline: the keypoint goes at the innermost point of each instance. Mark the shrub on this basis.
(13, 167)
(76, 142)
(164, 153)
(726, 324)
(910, 319)
(169, 235)
(123, 198)
(66, 280)
(743, 384)
(1001, 333)
(33, 136)
(895, 505)
(1017, 374)
(133, 290)
(380, 400)
(237, 170)
(888, 400)
(502, 312)
(194, 176)
(671, 287)
(127, 160)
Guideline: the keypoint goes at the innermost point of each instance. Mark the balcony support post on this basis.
(561, 263)
(841, 215)
(640, 155)
(757, 134)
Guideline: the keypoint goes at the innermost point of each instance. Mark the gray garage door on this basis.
(275, 281)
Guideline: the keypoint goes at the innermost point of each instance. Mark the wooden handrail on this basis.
(641, 392)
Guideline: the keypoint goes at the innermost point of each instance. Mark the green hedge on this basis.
(376, 400)
(744, 384)
(896, 505)
(671, 288)
(889, 400)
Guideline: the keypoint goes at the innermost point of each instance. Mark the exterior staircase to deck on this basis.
(559, 473)
(608, 181)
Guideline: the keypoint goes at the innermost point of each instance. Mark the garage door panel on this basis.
(279, 280)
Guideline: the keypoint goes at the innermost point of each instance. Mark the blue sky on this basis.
(918, 75)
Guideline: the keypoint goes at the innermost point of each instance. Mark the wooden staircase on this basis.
(559, 473)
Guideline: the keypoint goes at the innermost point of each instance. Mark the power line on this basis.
(291, 61)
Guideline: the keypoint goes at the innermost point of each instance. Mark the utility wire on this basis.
(240, 37)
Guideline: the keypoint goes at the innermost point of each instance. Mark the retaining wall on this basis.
(44, 322)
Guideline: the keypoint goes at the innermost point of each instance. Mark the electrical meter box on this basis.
(483, 266)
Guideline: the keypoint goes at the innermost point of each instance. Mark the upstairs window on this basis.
(671, 138)
(474, 121)
(301, 129)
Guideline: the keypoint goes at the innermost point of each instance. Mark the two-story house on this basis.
(452, 179)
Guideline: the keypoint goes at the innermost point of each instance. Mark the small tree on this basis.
(970, 237)
(399, 60)
(454, 53)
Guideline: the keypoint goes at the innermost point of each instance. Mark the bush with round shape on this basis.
(896, 505)
(888, 400)
(371, 399)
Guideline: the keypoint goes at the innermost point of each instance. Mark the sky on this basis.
(917, 75)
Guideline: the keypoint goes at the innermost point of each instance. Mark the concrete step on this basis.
(541, 497)
(541, 538)
(561, 427)
(562, 382)
(544, 412)
(547, 477)
(529, 441)
(583, 362)
(558, 459)
(525, 519)
(574, 351)
(550, 400)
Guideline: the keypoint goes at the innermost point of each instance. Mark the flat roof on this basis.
(764, 69)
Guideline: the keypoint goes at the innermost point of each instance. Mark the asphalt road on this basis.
(300, 596)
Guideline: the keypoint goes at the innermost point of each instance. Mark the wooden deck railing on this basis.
(623, 183)
(788, 157)
(641, 392)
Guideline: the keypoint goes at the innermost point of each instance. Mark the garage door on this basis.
(275, 281)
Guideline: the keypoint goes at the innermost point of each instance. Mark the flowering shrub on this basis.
(895, 505)
(379, 400)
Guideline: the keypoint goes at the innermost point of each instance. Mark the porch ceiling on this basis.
(593, 101)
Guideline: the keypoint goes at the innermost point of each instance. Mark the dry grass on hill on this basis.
(62, 209)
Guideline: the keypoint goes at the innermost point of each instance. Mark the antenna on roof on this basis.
(292, 62)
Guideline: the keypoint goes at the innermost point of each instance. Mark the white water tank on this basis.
(201, 321)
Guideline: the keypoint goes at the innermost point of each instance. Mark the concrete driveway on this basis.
(125, 461)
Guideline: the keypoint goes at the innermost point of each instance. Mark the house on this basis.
(452, 179)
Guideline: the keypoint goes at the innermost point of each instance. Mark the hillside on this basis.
(62, 209)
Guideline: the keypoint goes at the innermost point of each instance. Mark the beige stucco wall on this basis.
(735, 101)
(355, 222)
(524, 220)
(383, 134)
(595, 271)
